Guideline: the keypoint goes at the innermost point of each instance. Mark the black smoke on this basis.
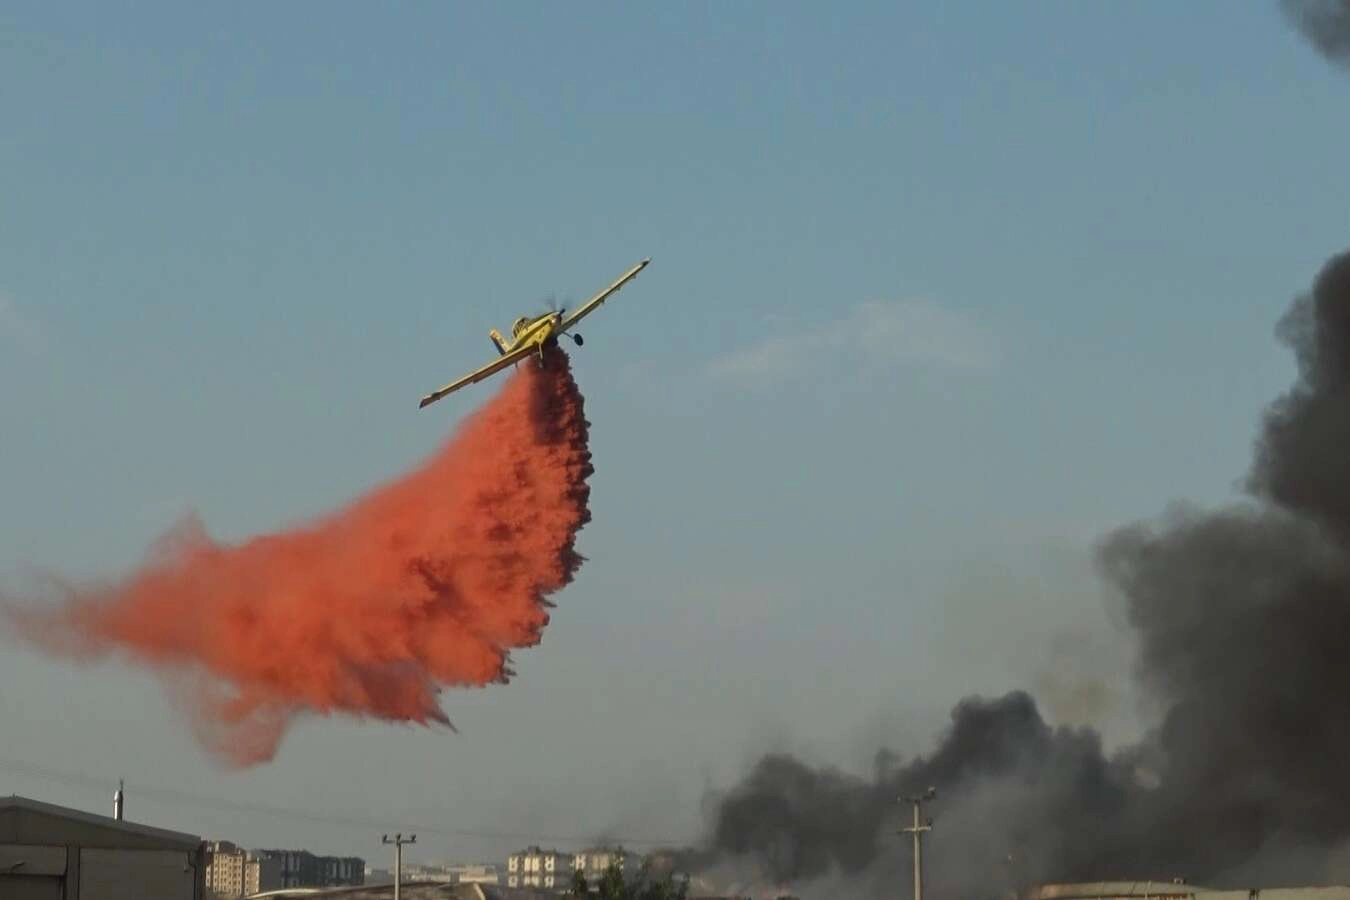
(1242, 622)
(1326, 23)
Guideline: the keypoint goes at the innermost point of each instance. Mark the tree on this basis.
(613, 886)
(665, 889)
(579, 886)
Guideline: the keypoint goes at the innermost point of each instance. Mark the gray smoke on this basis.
(1242, 620)
(998, 760)
(1326, 23)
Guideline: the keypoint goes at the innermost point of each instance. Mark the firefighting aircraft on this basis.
(531, 334)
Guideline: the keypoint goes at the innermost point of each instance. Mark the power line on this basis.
(174, 795)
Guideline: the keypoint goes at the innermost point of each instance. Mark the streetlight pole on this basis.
(398, 842)
(917, 830)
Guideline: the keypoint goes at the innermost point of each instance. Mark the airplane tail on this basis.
(497, 342)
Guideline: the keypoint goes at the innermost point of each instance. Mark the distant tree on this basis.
(665, 889)
(613, 886)
(579, 886)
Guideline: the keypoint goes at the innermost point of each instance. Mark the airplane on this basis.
(531, 334)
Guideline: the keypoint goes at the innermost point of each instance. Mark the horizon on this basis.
(939, 298)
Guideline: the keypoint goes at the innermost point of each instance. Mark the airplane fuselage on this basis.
(531, 334)
(528, 332)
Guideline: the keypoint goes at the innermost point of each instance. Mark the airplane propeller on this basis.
(555, 309)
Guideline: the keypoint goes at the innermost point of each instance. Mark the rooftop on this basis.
(27, 821)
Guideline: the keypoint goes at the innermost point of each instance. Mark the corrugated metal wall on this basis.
(136, 875)
(34, 872)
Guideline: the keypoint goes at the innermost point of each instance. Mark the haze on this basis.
(938, 297)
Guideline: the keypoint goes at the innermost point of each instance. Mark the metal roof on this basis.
(14, 804)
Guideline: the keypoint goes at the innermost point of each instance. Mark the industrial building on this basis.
(50, 852)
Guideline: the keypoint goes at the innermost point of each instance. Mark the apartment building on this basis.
(595, 861)
(225, 872)
(300, 868)
(534, 867)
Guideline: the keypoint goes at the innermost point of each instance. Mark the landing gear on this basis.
(576, 339)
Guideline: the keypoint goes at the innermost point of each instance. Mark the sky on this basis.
(939, 294)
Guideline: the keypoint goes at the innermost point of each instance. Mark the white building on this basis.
(536, 868)
(452, 873)
(595, 861)
(487, 873)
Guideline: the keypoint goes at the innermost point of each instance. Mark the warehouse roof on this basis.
(26, 821)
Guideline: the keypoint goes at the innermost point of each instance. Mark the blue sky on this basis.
(939, 294)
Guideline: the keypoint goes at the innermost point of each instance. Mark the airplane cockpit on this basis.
(518, 326)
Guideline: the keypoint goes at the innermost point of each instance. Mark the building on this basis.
(536, 868)
(377, 876)
(486, 873)
(225, 870)
(51, 852)
(456, 873)
(261, 875)
(300, 868)
(595, 861)
(554, 870)
(425, 874)
(343, 870)
(1176, 889)
(233, 872)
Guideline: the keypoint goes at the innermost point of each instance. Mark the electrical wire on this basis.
(174, 795)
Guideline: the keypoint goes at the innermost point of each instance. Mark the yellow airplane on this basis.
(530, 335)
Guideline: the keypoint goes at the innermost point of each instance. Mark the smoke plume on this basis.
(426, 582)
(1241, 617)
(1326, 23)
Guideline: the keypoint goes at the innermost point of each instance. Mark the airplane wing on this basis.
(591, 304)
(491, 368)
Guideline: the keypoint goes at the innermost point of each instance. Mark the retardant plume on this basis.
(1326, 23)
(1240, 616)
(426, 582)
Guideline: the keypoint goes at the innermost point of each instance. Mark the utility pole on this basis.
(917, 830)
(398, 842)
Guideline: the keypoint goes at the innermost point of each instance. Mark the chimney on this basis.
(117, 802)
